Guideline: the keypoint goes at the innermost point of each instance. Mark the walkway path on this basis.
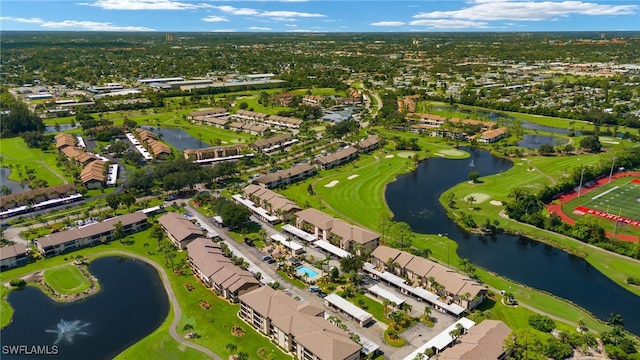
(553, 180)
(44, 164)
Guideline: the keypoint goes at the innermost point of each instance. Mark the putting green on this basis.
(406, 154)
(452, 152)
(479, 197)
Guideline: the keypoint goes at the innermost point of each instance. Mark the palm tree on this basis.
(232, 348)
(455, 333)
(242, 356)
(471, 199)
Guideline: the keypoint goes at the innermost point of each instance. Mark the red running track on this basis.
(556, 207)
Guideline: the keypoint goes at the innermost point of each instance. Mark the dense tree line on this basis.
(179, 174)
(15, 117)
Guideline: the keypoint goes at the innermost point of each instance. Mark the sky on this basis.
(320, 15)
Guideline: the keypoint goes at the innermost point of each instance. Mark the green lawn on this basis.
(14, 152)
(350, 197)
(66, 280)
(6, 310)
(295, 282)
(558, 166)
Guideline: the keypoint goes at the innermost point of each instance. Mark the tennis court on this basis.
(618, 200)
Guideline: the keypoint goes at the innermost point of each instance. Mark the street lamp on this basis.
(613, 161)
(580, 187)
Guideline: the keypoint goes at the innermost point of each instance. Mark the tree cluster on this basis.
(15, 117)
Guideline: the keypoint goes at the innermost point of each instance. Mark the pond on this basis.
(531, 141)
(506, 120)
(413, 198)
(13, 185)
(61, 127)
(178, 138)
(130, 305)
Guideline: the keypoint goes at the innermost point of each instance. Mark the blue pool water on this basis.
(305, 270)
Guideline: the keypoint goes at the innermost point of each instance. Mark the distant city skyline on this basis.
(320, 16)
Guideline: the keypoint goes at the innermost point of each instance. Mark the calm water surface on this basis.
(178, 138)
(413, 198)
(13, 185)
(131, 304)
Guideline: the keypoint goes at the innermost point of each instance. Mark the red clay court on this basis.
(632, 220)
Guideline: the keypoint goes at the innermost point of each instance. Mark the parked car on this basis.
(321, 294)
(266, 257)
(271, 260)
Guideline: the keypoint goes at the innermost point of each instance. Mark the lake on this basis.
(13, 185)
(413, 198)
(178, 138)
(61, 127)
(130, 305)
(530, 141)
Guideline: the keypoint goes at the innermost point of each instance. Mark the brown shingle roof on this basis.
(7, 252)
(90, 230)
(93, 172)
(208, 112)
(313, 332)
(286, 173)
(337, 156)
(483, 341)
(63, 140)
(454, 282)
(338, 227)
(158, 147)
(179, 226)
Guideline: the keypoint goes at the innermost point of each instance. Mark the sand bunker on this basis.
(406, 154)
(332, 184)
(479, 197)
(388, 156)
(495, 202)
(353, 176)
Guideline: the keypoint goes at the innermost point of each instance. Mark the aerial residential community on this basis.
(319, 195)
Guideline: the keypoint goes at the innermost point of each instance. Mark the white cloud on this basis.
(289, 14)
(257, 28)
(387, 23)
(291, 25)
(449, 24)
(22, 20)
(214, 18)
(276, 15)
(299, 31)
(487, 10)
(90, 25)
(224, 30)
(145, 5)
(237, 11)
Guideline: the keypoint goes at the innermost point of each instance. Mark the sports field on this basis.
(619, 199)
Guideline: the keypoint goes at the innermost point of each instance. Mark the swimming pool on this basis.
(305, 270)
